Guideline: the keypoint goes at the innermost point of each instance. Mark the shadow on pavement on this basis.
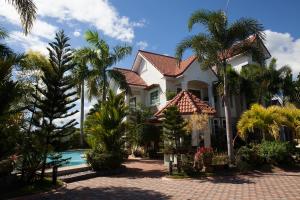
(105, 193)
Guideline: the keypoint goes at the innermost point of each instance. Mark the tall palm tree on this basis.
(81, 74)
(101, 58)
(27, 12)
(93, 67)
(220, 42)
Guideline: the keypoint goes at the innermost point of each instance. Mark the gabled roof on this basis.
(132, 78)
(167, 65)
(187, 104)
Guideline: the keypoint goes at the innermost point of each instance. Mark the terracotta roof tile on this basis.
(168, 65)
(131, 77)
(187, 103)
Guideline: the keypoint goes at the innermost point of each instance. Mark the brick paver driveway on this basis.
(144, 181)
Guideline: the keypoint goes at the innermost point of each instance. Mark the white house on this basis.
(154, 75)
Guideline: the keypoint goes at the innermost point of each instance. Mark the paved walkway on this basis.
(144, 181)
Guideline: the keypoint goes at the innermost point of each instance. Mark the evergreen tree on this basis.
(174, 126)
(56, 97)
(174, 129)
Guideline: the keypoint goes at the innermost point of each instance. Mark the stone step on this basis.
(79, 176)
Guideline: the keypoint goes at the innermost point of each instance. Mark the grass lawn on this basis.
(36, 187)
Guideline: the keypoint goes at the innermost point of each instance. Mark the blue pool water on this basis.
(77, 157)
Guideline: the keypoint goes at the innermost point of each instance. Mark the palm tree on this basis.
(220, 42)
(266, 81)
(101, 58)
(27, 12)
(4, 49)
(81, 74)
(106, 126)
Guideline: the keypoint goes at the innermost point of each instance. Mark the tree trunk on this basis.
(104, 86)
(228, 118)
(44, 159)
(81, 113)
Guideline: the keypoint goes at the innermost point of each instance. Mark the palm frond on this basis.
(243, 28)
(119, 78)
(119, 52)
(27, 12)
(93, 38)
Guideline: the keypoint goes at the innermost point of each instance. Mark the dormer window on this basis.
(154, 98)
(132, 102)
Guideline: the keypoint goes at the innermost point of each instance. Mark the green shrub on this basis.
(6, 167)
(274, 152)
(187, 165)
(245, 159)
(104, 160)
(220, 159)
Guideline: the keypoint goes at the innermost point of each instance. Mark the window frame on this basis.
(130, 102)
(157, 99)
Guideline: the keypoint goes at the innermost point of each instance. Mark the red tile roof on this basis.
(132, 78)
(187, 103)
(168, 65)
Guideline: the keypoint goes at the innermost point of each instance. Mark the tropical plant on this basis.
(106, 126)
(266, 121)
(4, 49)
(292, 118)
(105, 129)
(27, 12)
(263, 82)
(221, 41)
(101, 58)
(11, 94)
(55, 97)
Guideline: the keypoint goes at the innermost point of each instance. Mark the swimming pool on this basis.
(77, 157)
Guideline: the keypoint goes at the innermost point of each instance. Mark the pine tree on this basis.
(55, 97)
(174, 126)
(174, 129)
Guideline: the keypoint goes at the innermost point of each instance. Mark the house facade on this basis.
(154, 77)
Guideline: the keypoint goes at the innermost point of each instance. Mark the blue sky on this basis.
(156, 25)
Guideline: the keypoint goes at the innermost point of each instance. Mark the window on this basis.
(231, 101)
(224, 123)
(154, 98)
(178, 90)
(197, 93)
(132, 102)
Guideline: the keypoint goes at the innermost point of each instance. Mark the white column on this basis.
(211, 96)
(207, 135)
(184, 85)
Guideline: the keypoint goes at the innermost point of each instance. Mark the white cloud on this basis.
(285, 48)
(40, 28)
(140, 23)
(99, 13)
(33, 42)
(142, 44)
(44, 29)
(76, 33)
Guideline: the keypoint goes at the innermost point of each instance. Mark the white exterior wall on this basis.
(152, 76)
(239, 61)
